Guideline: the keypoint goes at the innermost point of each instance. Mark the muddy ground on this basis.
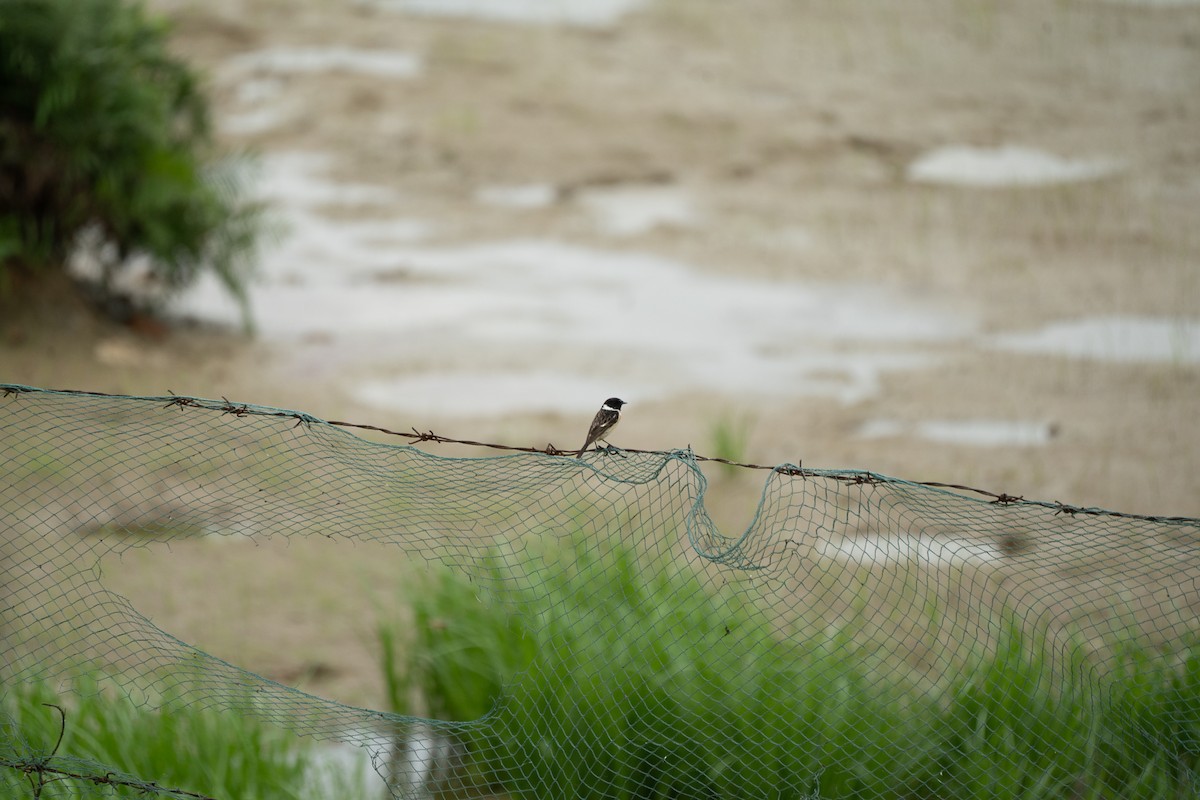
(792, 125)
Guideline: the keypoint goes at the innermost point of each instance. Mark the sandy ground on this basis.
(793, 126)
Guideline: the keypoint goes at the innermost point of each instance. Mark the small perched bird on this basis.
(605, 420)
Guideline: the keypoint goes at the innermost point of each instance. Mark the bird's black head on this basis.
(614, 402)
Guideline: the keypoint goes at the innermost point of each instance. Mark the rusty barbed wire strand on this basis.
(415, 436)
(41, 769)
(40, 773)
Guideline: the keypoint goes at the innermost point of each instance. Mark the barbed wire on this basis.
(38, 770)
(415, 436)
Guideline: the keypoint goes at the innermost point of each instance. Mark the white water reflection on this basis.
(300, 180)
(308, 60)
(523, 197)
(619, 211)
(580, 13)
(906, 548)
(257, 120)
(546, 313)
(519, 391)
(1112, 338)
(1000, 167)
(260, 79)
(973, 432)
(344, 770)
(480, 388)
(633, 210)
(596, 312)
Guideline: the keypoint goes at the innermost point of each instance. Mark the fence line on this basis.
(415, 436)
(589, 632)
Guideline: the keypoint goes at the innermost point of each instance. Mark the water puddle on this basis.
(578, 13)
(334, 769)
(1001, 167)
(300, 179)
(619, 211)
(972, 432)
(908, 549)
(572, 322)
(1112, 338)
(258, 120)
(479, 389)
(633, 210)
(259, 80)
(458, 393)
(310, 60)
(521, 197)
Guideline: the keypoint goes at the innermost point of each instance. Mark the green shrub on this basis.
(105, 135)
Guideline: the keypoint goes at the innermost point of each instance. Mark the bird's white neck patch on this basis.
(607, 407)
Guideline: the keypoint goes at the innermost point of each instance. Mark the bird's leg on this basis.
(612, 450)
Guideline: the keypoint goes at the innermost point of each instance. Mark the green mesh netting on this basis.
(865, 637)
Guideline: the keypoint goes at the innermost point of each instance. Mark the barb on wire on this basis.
(235, 409)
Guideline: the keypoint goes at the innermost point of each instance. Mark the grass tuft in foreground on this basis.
(611, 675)
(197, 750)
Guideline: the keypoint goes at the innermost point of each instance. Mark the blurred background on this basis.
(945, 241)
(940, 240)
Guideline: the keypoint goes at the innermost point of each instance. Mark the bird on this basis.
(605, 420)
